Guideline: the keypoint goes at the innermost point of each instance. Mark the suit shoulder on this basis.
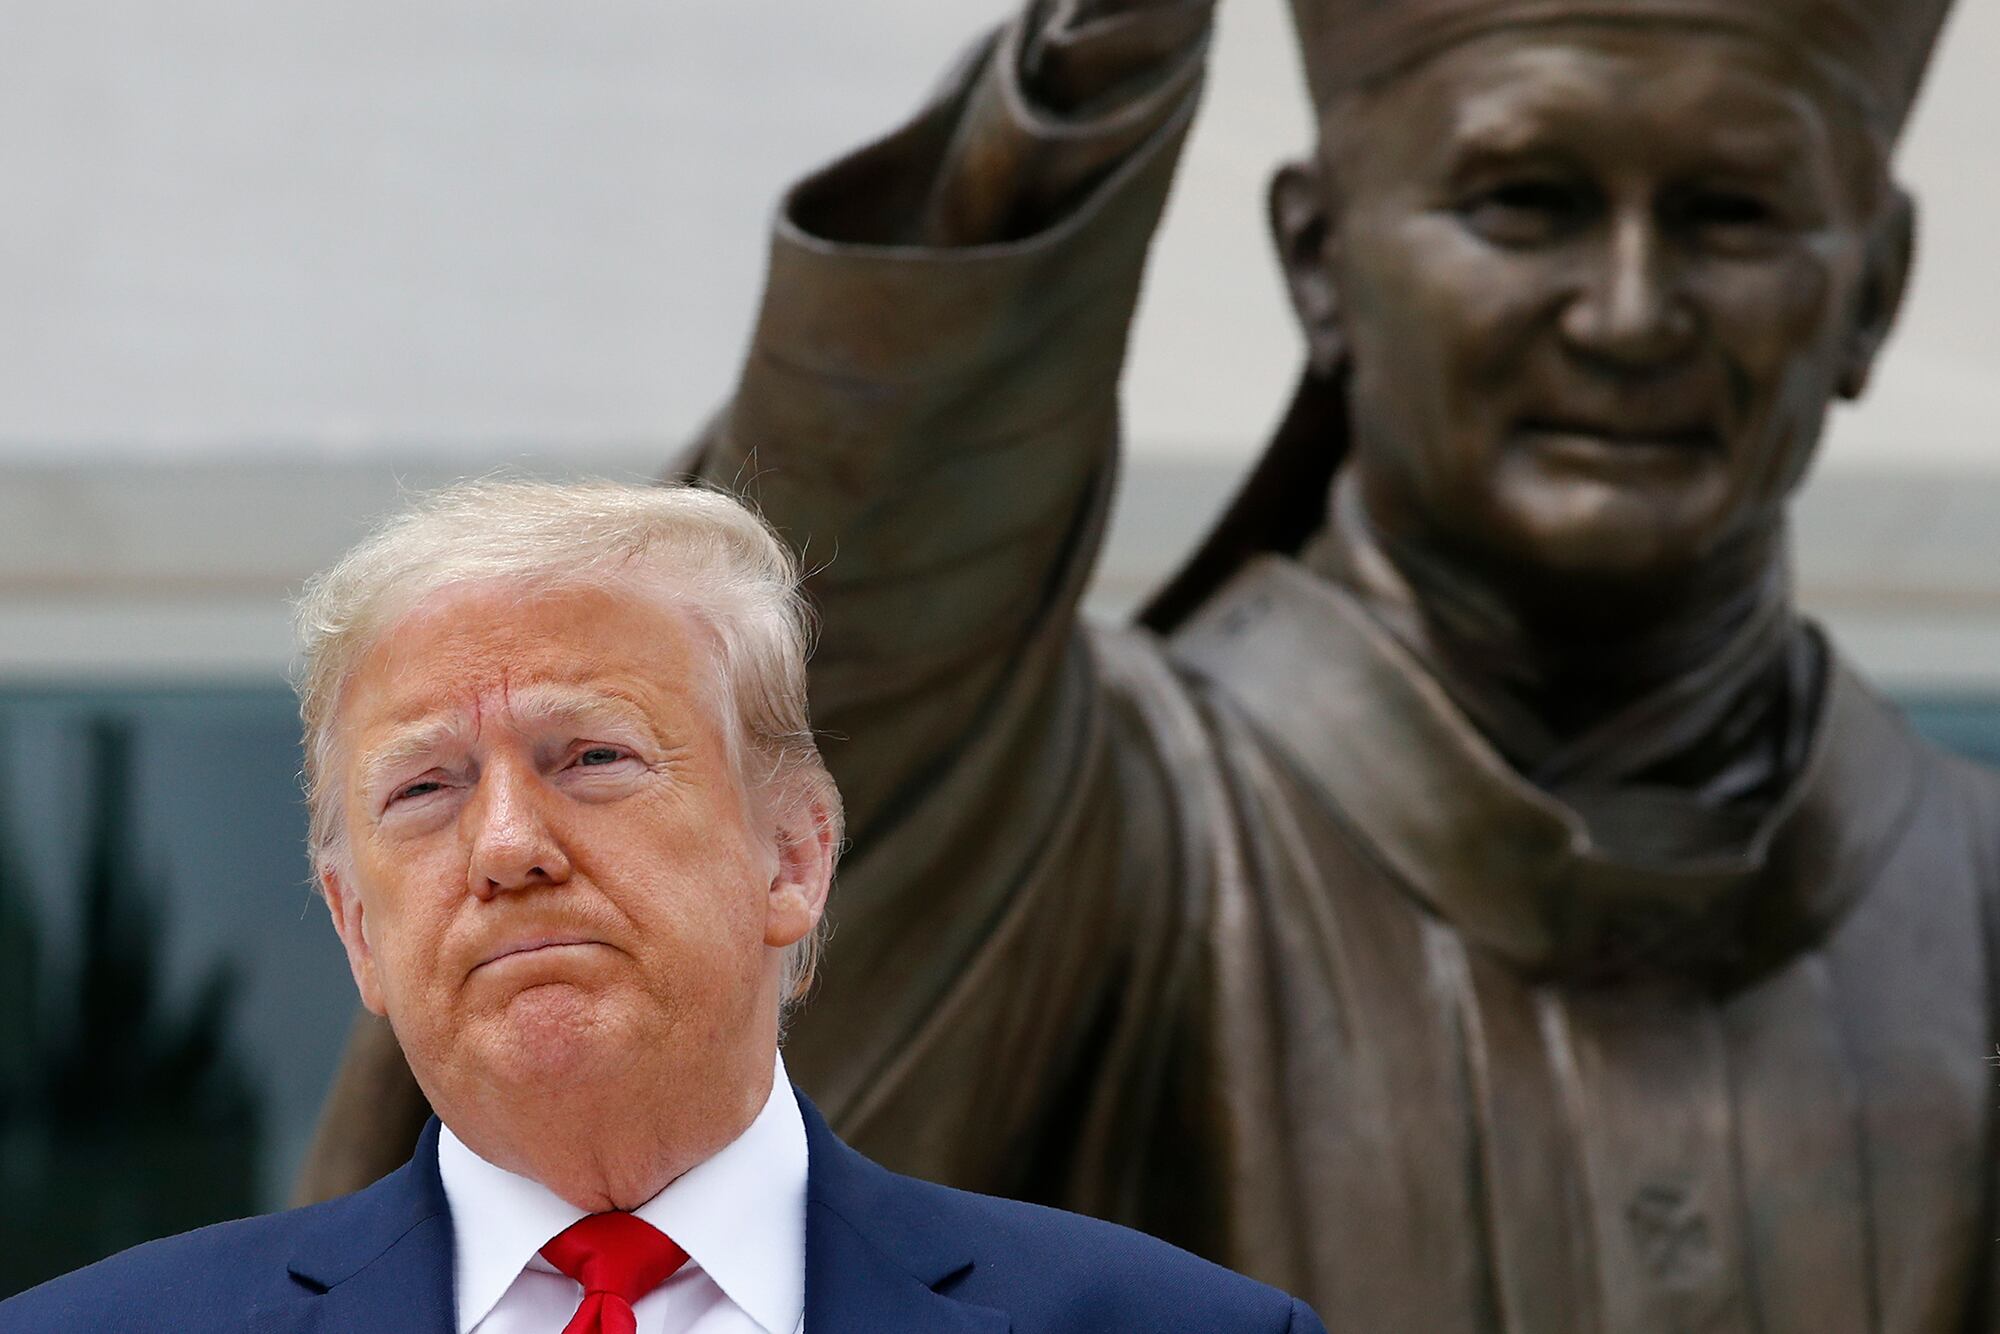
(214, 1278)
(1058, 1271)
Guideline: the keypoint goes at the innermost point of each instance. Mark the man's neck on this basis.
(612, 1143)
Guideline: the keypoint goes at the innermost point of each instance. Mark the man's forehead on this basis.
(496, 639)
(528, 703)
(458, 719)
(460, 662)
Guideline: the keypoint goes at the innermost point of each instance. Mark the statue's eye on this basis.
(1728, 209)
(1726, 219)
(1730, 220)
(1527, 211)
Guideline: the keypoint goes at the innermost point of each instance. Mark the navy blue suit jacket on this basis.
(884, 1253)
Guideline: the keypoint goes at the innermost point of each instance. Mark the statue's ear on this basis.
(1302, 226)
(1891, 243)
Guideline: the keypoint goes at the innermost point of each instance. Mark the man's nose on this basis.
(513, 844)
(1631, 311)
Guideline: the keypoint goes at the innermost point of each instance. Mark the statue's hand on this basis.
(1074, 62)
(1080, 54)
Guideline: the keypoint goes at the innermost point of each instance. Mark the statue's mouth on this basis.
(1671, 435)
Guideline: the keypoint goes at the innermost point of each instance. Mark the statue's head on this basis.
(1595, 269)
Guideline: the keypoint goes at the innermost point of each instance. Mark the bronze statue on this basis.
(1476, 900)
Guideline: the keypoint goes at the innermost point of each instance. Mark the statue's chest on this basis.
(1463, 1149)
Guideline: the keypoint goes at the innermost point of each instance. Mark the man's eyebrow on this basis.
(536, 706)
(545, 702)
(543, 705)
(408, 745)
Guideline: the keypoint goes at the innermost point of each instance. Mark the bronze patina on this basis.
(1475, 899)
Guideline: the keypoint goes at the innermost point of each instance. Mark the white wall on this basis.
(261, 258)
(386, 225)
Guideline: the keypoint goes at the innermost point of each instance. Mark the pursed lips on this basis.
(1679, 434)
(534, 944)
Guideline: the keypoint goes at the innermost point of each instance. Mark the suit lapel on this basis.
(875, 1252)
(378, 1259)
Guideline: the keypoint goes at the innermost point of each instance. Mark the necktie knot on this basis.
(618, 1258)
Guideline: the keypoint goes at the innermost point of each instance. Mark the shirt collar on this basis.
(740, 1216)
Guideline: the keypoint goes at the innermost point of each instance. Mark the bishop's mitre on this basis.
(1875, 49)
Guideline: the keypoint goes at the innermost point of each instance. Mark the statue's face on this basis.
(1596, 287)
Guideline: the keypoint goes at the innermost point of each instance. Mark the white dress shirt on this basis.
(740, 1216)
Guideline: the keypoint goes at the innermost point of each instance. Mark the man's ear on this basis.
(345, 905)
(802, 878)
(1891, 245)
(1302, 225)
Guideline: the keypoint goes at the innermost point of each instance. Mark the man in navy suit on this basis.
(576, 838)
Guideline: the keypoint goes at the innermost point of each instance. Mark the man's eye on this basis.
(1526, 212)
(599, 755)
(418, 789)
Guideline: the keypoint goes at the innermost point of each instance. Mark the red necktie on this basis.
(618, 1258)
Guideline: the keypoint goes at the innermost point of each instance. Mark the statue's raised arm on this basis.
(929, 413)
(929, 409)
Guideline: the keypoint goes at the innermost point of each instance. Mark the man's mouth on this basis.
(533, 945)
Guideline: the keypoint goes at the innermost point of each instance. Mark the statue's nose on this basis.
(1630, 310)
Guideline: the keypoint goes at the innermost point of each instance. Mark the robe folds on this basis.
(1244, 936)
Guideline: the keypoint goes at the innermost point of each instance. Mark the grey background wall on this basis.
(455, 223)
(263, 258)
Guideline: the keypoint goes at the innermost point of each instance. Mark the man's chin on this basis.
(551, 1034)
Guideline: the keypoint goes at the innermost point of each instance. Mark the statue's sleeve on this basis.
(934, 429)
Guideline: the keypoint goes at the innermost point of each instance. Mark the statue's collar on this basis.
(1512, 867)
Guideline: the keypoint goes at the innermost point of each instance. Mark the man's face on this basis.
(551, 873)
(1598, 286)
